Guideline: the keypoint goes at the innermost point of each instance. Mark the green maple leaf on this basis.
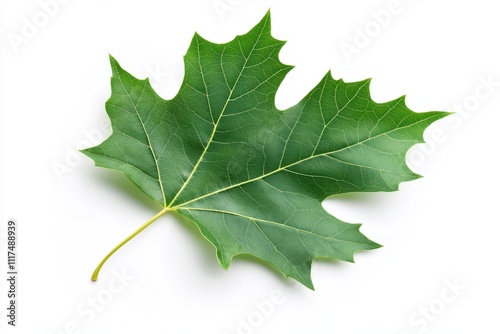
(250, 176)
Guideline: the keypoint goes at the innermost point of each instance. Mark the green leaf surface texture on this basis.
(250, 176)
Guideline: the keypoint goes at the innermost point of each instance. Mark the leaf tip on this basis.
(223, 259)
(85, 151)
(368, 243)
(417, 176)
(265, 23)
(443, 114)
(375, 245)
(115, 66)
(305, 280)
(112, 60)
(267, 16)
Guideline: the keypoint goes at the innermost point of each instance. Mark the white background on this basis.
(439, 230)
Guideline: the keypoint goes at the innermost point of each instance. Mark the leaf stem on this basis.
(95, 275)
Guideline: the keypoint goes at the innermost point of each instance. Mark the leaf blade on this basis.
(250, 176)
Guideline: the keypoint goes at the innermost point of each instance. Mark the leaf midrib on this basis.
(145, 132)
(282, 168)
(270, 222)
(200, 159)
